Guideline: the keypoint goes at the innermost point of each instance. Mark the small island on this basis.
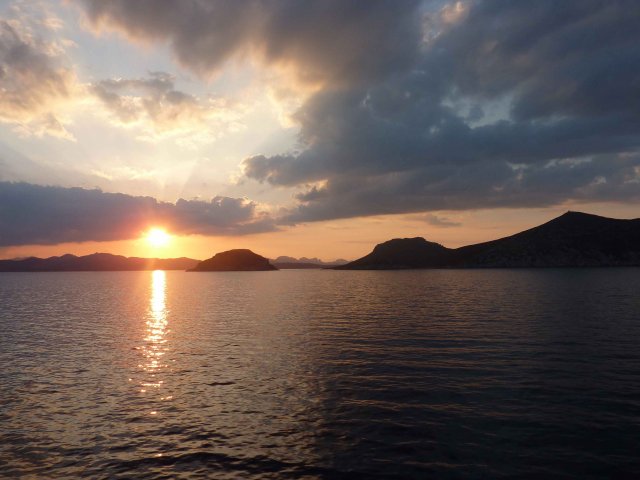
(238, 260)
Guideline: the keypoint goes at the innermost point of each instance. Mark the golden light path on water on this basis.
(154, 347)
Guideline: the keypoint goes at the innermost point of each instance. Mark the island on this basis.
(238, 260)
(574, 239)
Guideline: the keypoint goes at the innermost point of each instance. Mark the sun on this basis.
(157, 237)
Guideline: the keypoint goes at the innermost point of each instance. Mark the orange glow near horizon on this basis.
(158, 237)
(328, 240)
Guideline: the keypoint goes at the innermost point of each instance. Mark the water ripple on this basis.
(321, 374)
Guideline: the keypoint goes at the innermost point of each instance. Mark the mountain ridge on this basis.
(574, 239)
(95, 262)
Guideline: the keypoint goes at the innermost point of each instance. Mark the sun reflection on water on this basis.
(154, 347)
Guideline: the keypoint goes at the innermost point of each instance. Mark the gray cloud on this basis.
(404, 121)
(154, 104)
(33, 81)
(33, 214)
(478, 185)
(325, 39)
(401, 145)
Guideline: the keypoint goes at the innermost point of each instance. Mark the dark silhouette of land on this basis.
(572, 240)
(239, 260)
(95, 262)
(290, 263)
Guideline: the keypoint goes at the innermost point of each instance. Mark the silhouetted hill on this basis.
(285, 263)
(95, 262)
(572, 240)
(401, 253)
(241, 260)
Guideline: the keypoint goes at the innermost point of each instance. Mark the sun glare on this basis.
(157, 237)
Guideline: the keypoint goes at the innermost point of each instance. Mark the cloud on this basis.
(323, 40)
(428, 106)
(33, 214)
(437, 221)
(34, 81)
(39, 88)
(155, 105)
(404, 144)
(488, 184)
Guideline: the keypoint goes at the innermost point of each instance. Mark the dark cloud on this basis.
(576, 58)
(565, 74)
(325, 39)
(33, 214)
(427, 105)
(477, 185)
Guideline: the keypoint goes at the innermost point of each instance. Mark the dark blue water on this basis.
(321, 374)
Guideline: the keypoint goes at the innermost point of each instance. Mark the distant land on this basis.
(572, 240)
(239, 260)
(95, 262)
(290, 263)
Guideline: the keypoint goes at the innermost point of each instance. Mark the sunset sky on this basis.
(310, 128)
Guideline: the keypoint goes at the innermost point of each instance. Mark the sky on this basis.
(315, 128)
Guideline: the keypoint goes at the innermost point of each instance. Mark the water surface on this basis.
(321, 374)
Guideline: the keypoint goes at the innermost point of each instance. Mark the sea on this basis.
(321, 374)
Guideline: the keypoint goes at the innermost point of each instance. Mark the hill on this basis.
(239, 260)
(402, 253)
(95, 262)
(572, 240)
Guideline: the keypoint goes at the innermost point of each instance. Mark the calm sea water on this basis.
(321, 374)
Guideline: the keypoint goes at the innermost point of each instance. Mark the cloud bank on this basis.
(33, 214)
(429, 105)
